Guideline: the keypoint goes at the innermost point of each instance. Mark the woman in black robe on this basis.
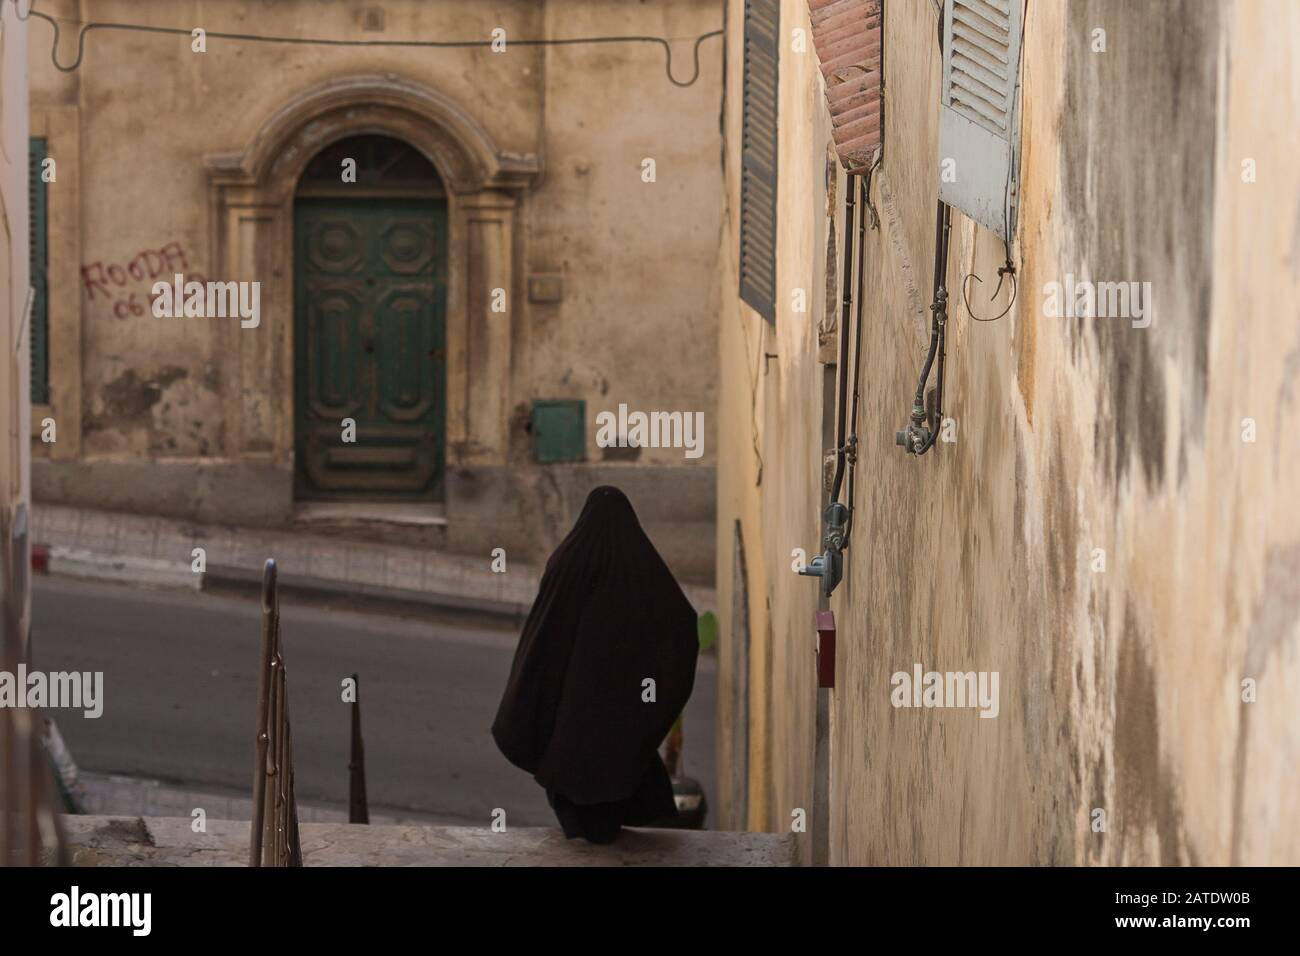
(605, 664)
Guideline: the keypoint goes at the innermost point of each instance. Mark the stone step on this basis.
(171, 841)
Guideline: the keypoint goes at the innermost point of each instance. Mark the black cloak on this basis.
(608, 617)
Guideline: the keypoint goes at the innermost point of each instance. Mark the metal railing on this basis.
(358, 807)
(273, 840)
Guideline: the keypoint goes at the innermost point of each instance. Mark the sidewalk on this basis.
(159, 552)
(170, 841)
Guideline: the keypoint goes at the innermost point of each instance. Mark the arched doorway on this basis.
(370, 314)
(252, 197)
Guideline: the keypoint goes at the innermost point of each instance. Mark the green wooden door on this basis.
(370, 296)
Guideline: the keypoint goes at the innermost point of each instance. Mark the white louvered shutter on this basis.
(978, 117)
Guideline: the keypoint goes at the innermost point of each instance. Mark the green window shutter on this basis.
(559, 430)
(38, 243)
(758, 154)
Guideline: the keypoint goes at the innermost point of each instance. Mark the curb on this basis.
(86, 565)
(126, 569)
(307, 585)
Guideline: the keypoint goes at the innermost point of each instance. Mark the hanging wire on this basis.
(86, 28)
(1006, 269)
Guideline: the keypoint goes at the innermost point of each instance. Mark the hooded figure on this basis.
(579, 711)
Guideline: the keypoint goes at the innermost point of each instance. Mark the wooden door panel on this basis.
(408, 246)
(335, 350)
(334, 244)
(408, 351)
(390, 461)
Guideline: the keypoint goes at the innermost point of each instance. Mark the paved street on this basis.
(180, 694)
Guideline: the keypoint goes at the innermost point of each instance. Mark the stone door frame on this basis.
(251, 225)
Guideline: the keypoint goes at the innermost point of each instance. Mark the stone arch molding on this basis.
(250, 202)
(464, 153)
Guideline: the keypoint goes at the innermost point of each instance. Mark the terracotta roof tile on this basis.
(846, 35)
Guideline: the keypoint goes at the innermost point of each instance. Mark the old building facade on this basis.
(1106, 522)
(460, 252)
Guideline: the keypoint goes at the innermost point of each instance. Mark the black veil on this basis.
(576, 713)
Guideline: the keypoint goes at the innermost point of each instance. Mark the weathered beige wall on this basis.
(771, 443)
(18, 749)
(637, 257)
(132, 128)
(1121, 689)
(15, 363)
(15, 371)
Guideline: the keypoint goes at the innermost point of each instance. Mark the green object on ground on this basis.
(707, 628)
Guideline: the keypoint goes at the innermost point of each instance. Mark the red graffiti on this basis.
(99, 278)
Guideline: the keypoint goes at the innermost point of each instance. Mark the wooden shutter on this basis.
(758, 152)
(38, 244)
(978, 120)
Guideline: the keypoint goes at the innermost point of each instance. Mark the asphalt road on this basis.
(180, 697)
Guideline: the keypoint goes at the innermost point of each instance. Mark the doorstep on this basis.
(328, 512)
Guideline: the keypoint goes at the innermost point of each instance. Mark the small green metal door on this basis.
(370, 296)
